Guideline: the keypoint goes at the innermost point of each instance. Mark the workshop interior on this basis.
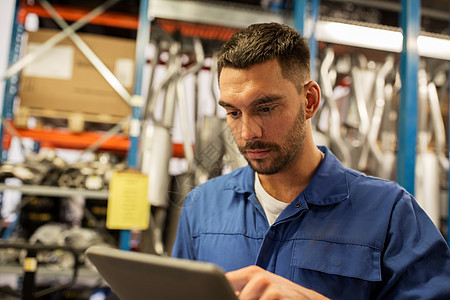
(110, 117)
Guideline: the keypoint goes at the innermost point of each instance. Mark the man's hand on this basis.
(256, 283)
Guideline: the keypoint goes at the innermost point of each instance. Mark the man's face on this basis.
(265, 113)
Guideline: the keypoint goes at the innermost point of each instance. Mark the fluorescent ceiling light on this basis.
(380, 39)
(433, 47)
(359, 36)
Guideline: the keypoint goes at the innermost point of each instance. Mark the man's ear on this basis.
(312, 94)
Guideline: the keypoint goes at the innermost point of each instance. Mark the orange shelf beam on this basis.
(114, 19)
(62, 138)
(73, 14)
(204, 31)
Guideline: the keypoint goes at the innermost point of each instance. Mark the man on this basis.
(295, 223)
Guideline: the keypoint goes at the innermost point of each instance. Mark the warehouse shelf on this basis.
(83, 272)
(55, 191)
(54, 137)
(173, 15)
(428, 45)
(34, 280)
(219, 14)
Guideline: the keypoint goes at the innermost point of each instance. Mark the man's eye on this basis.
(265, 109)
(233, 114)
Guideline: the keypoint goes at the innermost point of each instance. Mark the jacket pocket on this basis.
(348, 260)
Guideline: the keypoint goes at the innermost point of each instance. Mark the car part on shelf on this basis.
(31, 266)
(59, 234)
(327, 79)
(43, 168)
(384, 161)
(157, 138)
(91, 175)
(431, 162)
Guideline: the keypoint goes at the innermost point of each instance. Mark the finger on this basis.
(255, 288)
(240, 278)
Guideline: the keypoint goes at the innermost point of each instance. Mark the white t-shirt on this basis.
(272, 207)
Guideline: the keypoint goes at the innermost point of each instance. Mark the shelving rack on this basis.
(66, 139)
(228, 15)
(118, 142)
(220, 13)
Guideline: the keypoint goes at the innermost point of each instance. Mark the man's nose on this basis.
(251, 128)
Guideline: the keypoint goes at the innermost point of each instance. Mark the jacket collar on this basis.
(328, 186)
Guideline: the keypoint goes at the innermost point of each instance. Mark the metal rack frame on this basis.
(136, 101)
(221, 14)
(50, 191)
(218, 13)
(409, 66)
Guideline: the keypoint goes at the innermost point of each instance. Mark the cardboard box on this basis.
(64, 80)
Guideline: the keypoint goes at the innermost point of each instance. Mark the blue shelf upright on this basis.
(306, 14)
(143, 37)
(11, 83)
(407, 122)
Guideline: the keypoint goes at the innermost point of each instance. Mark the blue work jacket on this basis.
(346, 236)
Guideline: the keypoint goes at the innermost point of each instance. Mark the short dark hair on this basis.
(259, 43)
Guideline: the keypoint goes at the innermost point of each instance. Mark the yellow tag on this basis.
(128, 207)
(30, 264)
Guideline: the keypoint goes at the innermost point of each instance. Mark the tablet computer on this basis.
(137, 276)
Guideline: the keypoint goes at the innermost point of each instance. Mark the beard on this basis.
(285, 153)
